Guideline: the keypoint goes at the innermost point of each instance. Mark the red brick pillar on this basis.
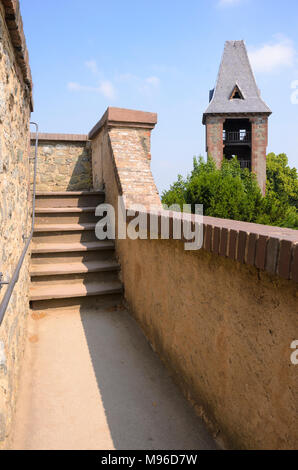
(121, 146)
(214, 138)
(259, 129)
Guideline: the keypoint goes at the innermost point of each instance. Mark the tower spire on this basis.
(236, 118)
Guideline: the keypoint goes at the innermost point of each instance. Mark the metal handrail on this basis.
(11, 284)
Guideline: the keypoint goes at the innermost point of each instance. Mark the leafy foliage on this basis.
(233, 193)
(280, 206)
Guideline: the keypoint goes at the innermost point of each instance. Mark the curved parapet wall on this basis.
(222, 318)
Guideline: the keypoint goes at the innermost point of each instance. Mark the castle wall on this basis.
(221, 318)
(224, 331)
(63, 164)
(15, 203)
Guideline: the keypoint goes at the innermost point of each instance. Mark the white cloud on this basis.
(92, 65)
(271, 57)
(105, 88)
(228, 3)
(127, 77)
(148, 85)
(143, 85)
(154, 81)
(74, 86)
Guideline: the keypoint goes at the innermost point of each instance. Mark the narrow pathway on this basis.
(91, 381)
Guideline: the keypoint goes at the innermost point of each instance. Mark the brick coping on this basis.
(60, 137)
(113, 117)
(14, 24)
(121, 117)
(271, 249)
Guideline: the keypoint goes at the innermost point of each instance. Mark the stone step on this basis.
(64, 227)
(64, 218)
(111, 301)
(72, 257)
(43, 248)
(54, 269)
(85, 236)
(69, 199)
(69, 265)
(68, 193)
(74, 290)
(66, 279)
(64, 210)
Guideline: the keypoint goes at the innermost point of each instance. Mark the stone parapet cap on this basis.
(120, 117)
(60, 137)
(271, 249)
(14, 24)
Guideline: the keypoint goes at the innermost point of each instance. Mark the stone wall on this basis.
(214, 138)
(15, 201)
(259, 134)
(222, 318)
(64, 162)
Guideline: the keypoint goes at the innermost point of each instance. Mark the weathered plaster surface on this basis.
(225, 331)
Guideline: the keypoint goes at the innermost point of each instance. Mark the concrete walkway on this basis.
(91, 381)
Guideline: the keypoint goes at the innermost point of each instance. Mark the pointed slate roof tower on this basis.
(234, 111)
(235, 71)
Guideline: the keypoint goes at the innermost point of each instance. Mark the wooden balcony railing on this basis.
(245, 164)
(237, 137)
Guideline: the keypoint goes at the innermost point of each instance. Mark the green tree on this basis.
(281, 179)
(233, 193)
(280, 205)
(176, 194)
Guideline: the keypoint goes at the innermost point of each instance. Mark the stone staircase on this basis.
(69, 266)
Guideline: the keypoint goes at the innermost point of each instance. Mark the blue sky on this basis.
(161, 56)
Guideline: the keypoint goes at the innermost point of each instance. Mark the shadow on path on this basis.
(144, 408)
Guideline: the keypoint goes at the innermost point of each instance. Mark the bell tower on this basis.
(236, 119)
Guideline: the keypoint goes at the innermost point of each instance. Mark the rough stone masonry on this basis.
(64, 162)
(15, 208)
